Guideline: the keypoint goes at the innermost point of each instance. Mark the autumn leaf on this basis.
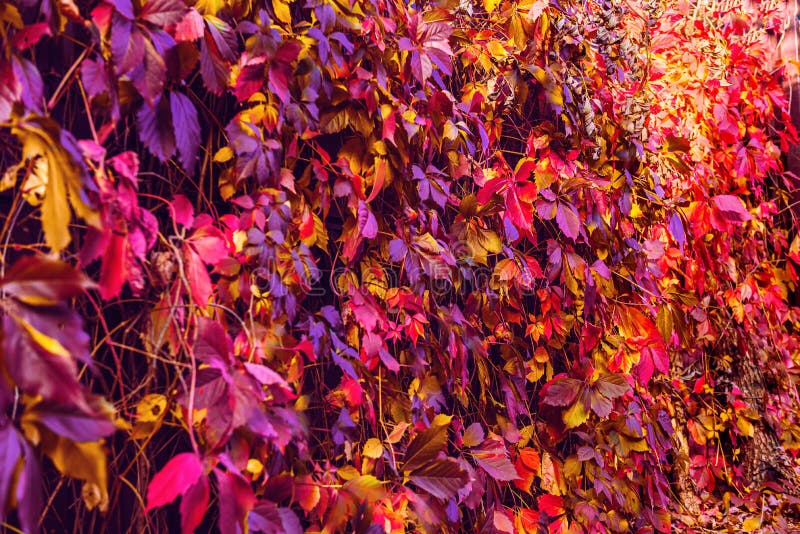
(427, 445)
(179, 474)
(441, 478)
(67, 182)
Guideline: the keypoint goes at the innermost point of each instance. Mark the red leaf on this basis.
(209, 242)
(43, 281)
(197, 275)
(560, 391)
(236, 499)
(175, 479)
(552, 505)
(194, 505)
(251, 77)
(30, 35)
(612, 385)
(115, 268)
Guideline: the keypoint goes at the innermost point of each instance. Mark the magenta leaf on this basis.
(174, 479)
(163, 12)
(182, 211)
(732, 208)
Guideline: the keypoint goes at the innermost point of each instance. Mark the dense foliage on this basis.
(373, 266)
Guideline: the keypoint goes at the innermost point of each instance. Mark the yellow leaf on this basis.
(450, 131)
(151, 408)
(282, 11)
(576, 415)
(373, 448)
(745, 427)
(496, 49)
(223, 154)
(490, 5)
(83, 461)
(750, 524)
(63, 175)
(255, 467)
(365, 488)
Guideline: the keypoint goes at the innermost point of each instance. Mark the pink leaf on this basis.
(367, 224)
(182, 211)
(209, 242)
(175, 479)
(191, 27)
(568, 220)
(732, 208)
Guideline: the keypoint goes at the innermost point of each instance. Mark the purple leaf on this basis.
(10, 454)
(71, 424)
(492, 457)
(127, 45)
(213, 69)
(149, 76)
(155, 129)
(28, 75)
(187, 129)
(29, 491)
(93, 76)
(124, 8)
